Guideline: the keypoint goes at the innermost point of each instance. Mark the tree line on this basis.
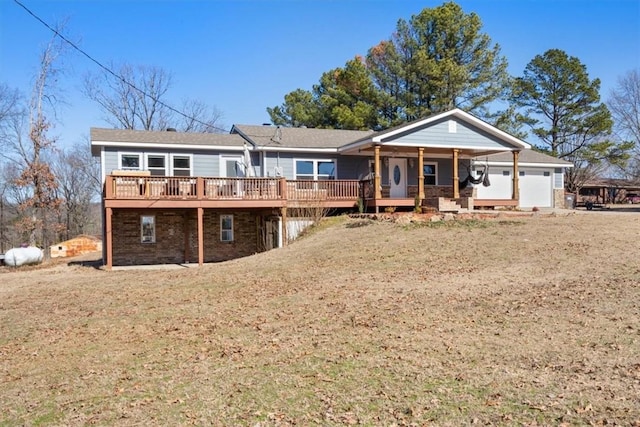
(50, 193)
(440, 59)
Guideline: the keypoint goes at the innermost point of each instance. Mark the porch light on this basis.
(411, 163)
(386, 161)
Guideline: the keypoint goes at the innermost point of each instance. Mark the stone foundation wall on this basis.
(558, 198)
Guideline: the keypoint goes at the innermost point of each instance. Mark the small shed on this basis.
(79, 245)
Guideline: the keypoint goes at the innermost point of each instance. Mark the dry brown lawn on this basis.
(513, 321)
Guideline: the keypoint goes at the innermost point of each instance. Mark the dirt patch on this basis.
(525, 321)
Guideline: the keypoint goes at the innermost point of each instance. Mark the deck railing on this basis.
(136, 187)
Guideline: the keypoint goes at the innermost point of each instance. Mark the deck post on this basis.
(515, 194)
(200, 236)
(456, 179)
(376, 173)
(421, 174)
(108, 236)
(186, 226)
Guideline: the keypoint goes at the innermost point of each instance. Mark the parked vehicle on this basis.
(633, 198)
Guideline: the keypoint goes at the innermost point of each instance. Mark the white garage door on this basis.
(536, 188)
(500, 188)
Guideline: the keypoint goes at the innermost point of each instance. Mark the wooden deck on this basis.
(144, 191)
(123, 191)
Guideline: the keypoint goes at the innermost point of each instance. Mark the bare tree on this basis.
(78, 177)
(41, 203)
(624, 103)
(10, 107)
(138, 99)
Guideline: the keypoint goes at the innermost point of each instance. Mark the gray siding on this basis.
(110, 160)
(206, 163)
(437, 135)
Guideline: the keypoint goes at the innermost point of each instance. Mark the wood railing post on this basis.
(109, 189)
(283, 188)
(200, 188)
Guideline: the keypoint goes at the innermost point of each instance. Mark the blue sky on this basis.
(243, 56)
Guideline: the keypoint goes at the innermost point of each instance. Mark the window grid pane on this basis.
(148, 229)
(429, 173)
(130, 161)
(226, 228)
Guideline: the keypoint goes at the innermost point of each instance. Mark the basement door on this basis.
(398, 178)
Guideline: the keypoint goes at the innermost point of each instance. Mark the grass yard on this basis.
(512, 321)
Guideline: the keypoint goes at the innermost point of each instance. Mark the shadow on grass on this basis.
(93, 263)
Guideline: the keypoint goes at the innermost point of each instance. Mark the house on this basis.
(79, 245)
(173, 197)
(603, 191)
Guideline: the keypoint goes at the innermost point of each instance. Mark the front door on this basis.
(398, 178)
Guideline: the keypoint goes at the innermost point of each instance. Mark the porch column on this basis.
(376, 173)
(456, 179)
(108, 236)
(515, 194)
(200, 236)
(420, 174)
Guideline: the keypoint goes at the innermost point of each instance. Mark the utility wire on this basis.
(114, 74)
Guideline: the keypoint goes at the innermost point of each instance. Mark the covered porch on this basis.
(429, 162)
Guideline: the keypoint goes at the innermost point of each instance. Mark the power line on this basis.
(114, 74)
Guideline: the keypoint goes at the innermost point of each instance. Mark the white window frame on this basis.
(166, 159)
(315, 163)
(558, 173)
(435, 167)
(189, 156)
(148, 239)
(125, 153)
(226, 238)
(222, 165)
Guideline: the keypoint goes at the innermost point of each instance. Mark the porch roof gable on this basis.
(448, 130)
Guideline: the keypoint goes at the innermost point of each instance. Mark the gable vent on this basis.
(453, 126)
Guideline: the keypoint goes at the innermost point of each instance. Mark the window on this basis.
(521, 173)
(430, 172)
(558, 178)
(547, 173)
(181, 165)
(130, 162)
(226, 228)
(315, 169)
(156, 164)
(148, 229)
(506, 173)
